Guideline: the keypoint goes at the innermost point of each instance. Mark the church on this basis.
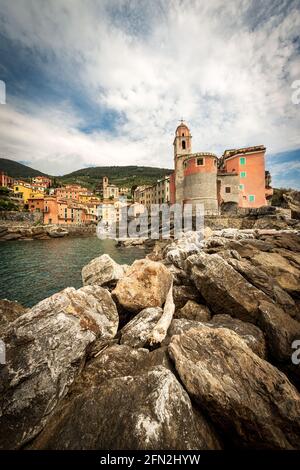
(236, 179)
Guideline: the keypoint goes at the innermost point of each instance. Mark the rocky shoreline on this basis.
(189, 348)
(11, 232)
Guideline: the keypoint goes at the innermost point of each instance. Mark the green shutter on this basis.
(243, 174)
(251, 198)
(241, 187)
(243, 160)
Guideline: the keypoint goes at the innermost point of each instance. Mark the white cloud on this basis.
(200, 60)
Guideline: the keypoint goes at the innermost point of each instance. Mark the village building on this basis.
(36, 203)
(41, 182)
(71, 191)
(158, 193)
(25, 192)
(109, 191)
(6, 180)
(63, 211)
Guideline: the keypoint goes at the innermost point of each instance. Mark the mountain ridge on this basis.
(126, 176)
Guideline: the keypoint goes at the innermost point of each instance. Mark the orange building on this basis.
(63, 211)
(50, 210)
(36, 204)
(71, 191)
(249, 164)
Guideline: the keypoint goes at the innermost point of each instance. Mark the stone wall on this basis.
(18, 216)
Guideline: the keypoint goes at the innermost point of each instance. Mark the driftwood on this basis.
(159, 332)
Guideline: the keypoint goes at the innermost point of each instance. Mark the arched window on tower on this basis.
(183, 145)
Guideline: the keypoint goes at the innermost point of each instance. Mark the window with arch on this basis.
(183, 145)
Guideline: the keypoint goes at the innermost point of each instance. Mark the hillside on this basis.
(18, 170)
(120, 175)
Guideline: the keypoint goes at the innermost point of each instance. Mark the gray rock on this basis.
(280, 330)
(223, 288)
(268, 285)
(251, 334)
(46, 349)
(124, 401)
(248, 398)
(102, 270)
(137, 331)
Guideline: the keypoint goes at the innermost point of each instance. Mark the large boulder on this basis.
(136, 332)
(226, 291)
(280, 330)
(45, 349)
(260, 279)
(123, 400)
(281, 269)
(249, 399)
(102, 270)
(250, 333)
(145, 284)
(223, 288)
(193, 311)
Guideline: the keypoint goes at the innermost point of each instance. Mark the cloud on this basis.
(137, 67)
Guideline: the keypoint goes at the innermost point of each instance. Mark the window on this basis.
(243, 174)
(182, 134)
(251, 198)
(183, 145)
(215, 162)
(243, 160)
(200, 161)
(241, 187)
(227, 189)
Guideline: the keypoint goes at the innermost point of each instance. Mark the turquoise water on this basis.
(33, 270)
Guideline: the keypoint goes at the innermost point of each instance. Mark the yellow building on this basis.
(88, 199)
(26, 192)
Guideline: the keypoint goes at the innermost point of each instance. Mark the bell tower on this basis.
(182, 147)
(183, 140)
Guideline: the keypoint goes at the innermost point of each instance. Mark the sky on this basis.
(105, 82)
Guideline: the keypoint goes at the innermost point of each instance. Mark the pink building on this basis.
(249, 164)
